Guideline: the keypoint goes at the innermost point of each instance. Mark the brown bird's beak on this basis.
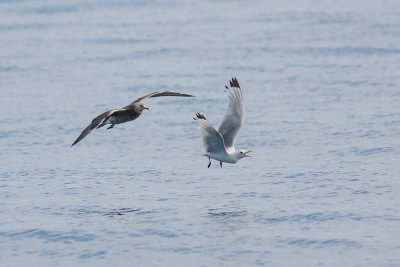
(245, 154)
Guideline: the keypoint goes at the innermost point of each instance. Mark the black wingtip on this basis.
(234, 82)
(200, 116)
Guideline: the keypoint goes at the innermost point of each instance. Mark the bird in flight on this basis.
(219, 144)
(128, 113)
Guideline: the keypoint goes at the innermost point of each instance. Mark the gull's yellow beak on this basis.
(245, 154)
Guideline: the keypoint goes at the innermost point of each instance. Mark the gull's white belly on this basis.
(221, 157)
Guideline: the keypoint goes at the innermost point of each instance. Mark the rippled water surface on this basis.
(321, 89)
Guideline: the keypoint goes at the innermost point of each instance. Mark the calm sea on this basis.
(320, 82)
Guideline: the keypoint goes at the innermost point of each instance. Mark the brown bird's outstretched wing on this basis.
(161, 93)
(96, 123)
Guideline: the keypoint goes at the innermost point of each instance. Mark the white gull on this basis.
(219, 144)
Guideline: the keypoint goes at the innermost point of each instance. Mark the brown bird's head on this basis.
(139, 106)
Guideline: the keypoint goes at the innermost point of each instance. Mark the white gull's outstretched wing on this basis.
(233, 118)
(212, 140)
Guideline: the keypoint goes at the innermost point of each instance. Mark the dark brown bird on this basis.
(128, 113)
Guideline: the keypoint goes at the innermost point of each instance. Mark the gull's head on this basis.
(242, 154)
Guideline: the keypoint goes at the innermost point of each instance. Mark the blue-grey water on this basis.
(321, 87)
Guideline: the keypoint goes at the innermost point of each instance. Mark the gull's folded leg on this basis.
(220, 164)
(209, 164)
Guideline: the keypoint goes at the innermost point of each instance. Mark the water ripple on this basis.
(305, 242)
(307, 218)
(53, 236)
